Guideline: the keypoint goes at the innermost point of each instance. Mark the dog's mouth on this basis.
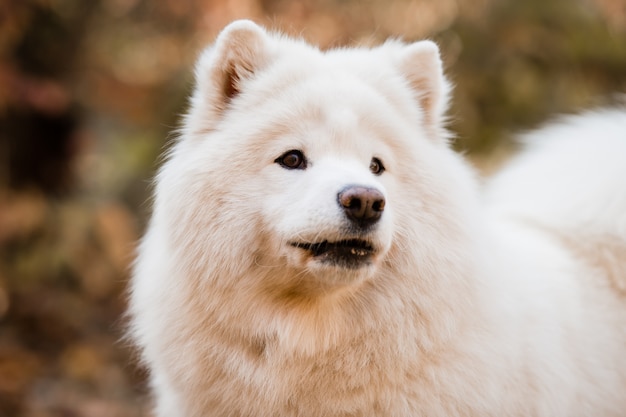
(349, 253)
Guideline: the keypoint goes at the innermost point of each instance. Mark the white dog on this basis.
(316, 249)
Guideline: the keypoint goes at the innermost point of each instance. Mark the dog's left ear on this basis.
(240, 51)
(421, 64)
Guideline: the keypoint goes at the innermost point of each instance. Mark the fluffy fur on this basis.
(457, 301)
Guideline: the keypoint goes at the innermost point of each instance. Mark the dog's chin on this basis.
(345, 254)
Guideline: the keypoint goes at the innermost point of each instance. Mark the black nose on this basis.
(362, 205)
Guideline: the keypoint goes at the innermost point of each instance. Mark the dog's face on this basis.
(325, 184)
(302, 158)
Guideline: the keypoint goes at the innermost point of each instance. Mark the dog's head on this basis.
(316, 163)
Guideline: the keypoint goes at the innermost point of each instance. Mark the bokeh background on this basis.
(90, 91)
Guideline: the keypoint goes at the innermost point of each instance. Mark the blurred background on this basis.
(90, 91)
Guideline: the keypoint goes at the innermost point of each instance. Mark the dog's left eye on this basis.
(293, 159)
(376, 166)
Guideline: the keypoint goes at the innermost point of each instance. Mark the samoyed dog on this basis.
(317, 249)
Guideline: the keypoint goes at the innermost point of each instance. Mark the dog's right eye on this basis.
(293, 159)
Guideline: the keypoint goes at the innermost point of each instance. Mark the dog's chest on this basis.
(357, 379)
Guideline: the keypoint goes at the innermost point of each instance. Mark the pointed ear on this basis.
(421, 64)
(240, 51)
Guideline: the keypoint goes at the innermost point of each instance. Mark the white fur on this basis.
(576, 177)
(504, 303)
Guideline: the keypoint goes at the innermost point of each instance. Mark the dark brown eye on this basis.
(293, 159)
(376, 166)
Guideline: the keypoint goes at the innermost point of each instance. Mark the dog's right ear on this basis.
(240, 51)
